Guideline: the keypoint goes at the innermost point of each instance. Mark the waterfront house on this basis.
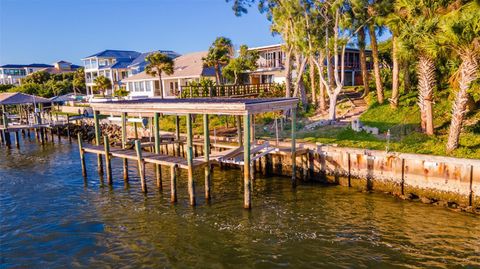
(112, 64)
(13, 73)
(61, 67)
(188, 68)
(139, 63)
(271, 66)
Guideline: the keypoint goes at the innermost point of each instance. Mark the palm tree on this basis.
(219, 54)
(376, 61)
(101, 84)
(461, 34)
(419, 24)
(157, 64)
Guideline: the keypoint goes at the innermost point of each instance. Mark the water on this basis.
(49, 219)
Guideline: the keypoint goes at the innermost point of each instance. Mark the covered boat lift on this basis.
(153, 107)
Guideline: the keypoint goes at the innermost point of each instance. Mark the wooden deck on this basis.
(148, 157)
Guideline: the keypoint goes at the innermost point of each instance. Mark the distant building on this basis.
(271, 66)
(139, 63)
(13, 73)
(188, 67)
(61, 67)
(112, 64)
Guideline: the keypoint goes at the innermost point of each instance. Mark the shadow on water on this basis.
(49, 218)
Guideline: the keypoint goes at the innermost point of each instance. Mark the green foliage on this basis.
(122, 92)
(101, 84)
(6, 87)
(219, 54)
(39, 77)
(159, 63)
(246, 60)
(200, 88)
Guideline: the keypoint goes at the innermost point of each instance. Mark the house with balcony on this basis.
(112, 64)
(188, 68)
(271, 66)
(13, 73)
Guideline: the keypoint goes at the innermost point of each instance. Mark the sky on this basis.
(45, 31)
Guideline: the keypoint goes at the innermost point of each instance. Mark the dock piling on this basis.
(97, 141)
(17, 140)
(82, 155)
(191, 183)
(124, 145)
(141, 165)
(158, 168)
(294, 148)
(108, 164)
(247, 180)
(206, 154)
(173, 183)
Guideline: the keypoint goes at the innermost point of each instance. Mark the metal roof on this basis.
(127, 54)
(24, 65)
(18, 98)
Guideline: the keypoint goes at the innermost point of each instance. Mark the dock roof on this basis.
(217, 106)
(18, 98)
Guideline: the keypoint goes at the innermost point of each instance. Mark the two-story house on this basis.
(112, 64)
(13, 73)
(271, 66)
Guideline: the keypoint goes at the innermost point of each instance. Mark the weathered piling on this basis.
(124, 145)
(206, 154)
(82, 155)
(247, 180)
(17, 140)
(173, 183)
(108, 164)
(294, 147)
(141, 165)
(158, 168)
(191, 183)
(97, 141)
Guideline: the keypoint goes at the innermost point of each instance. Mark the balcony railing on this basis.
(270, 63)
(244, 90)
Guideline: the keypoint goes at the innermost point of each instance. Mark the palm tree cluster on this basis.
(425, 34)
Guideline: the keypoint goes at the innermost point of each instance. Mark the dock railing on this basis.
(241, 90)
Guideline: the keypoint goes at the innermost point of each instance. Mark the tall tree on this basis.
(159, 63)
(102, 84)
(78, 81)
(375, 58)
(461, 35)
(219, 55)
(246, 61)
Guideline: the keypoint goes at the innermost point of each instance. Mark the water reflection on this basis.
(50, 219)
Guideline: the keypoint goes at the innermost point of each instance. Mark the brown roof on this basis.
(17, 98)
(188, 65)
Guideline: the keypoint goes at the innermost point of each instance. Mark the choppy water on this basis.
(50, 219)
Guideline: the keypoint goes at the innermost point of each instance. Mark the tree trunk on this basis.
(363, 61)
(217, 74)
(395, 75)
(468, 73)
(407, 85)
(288, 73)
(311, 65)
(332, 109)
(161, 84)
(426, 85)
(322, 103)
(376, 62)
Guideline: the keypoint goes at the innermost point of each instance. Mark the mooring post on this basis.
(173, 183)
(206, 153)
(191, 183)
(141, 165)
(97, 141)
(177, 134)
(247, 180)
(108, 163)
(8, 142)
(2, 137)
(294, 148)
(124, 145)
(17, 140)
(239, 130)
(82, 155)
(68, 129)
(158, 168)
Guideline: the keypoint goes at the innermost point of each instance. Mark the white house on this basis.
(13, 73)
(188, 67)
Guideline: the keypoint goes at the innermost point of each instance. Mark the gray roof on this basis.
(141, 58)
(66, 97)
(17, 98)
(118, 65)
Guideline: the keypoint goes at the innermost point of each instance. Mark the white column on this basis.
(179, 85)
(353, 77)
(163, 88)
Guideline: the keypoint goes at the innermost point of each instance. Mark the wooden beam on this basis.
(191, 183)
(206, 150)
(158, 168)
(247, 181)
(141, 165)
(173, 183)
(294, 148)
(82, 155)
(124, 145)
(108, 163)
(97, 142)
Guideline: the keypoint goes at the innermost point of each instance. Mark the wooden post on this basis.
(247, 180)
(124, 145)
(294, 148)
(4, 116)
(8, 141)
(108, 164)
(136, 130)
(158, 168)
(206, 153)
(17, 140)
(177, 134)
(97, 141)
(239, 130)
(173, 183)
(2, 137)
(68, 129)
(141, 165)
(191, 183)
(82, 155)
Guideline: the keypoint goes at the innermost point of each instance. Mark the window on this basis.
(142, 86)
(130, 86)
(148, 86)
(137, 86)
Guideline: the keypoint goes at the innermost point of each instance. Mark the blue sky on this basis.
(44, 31)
